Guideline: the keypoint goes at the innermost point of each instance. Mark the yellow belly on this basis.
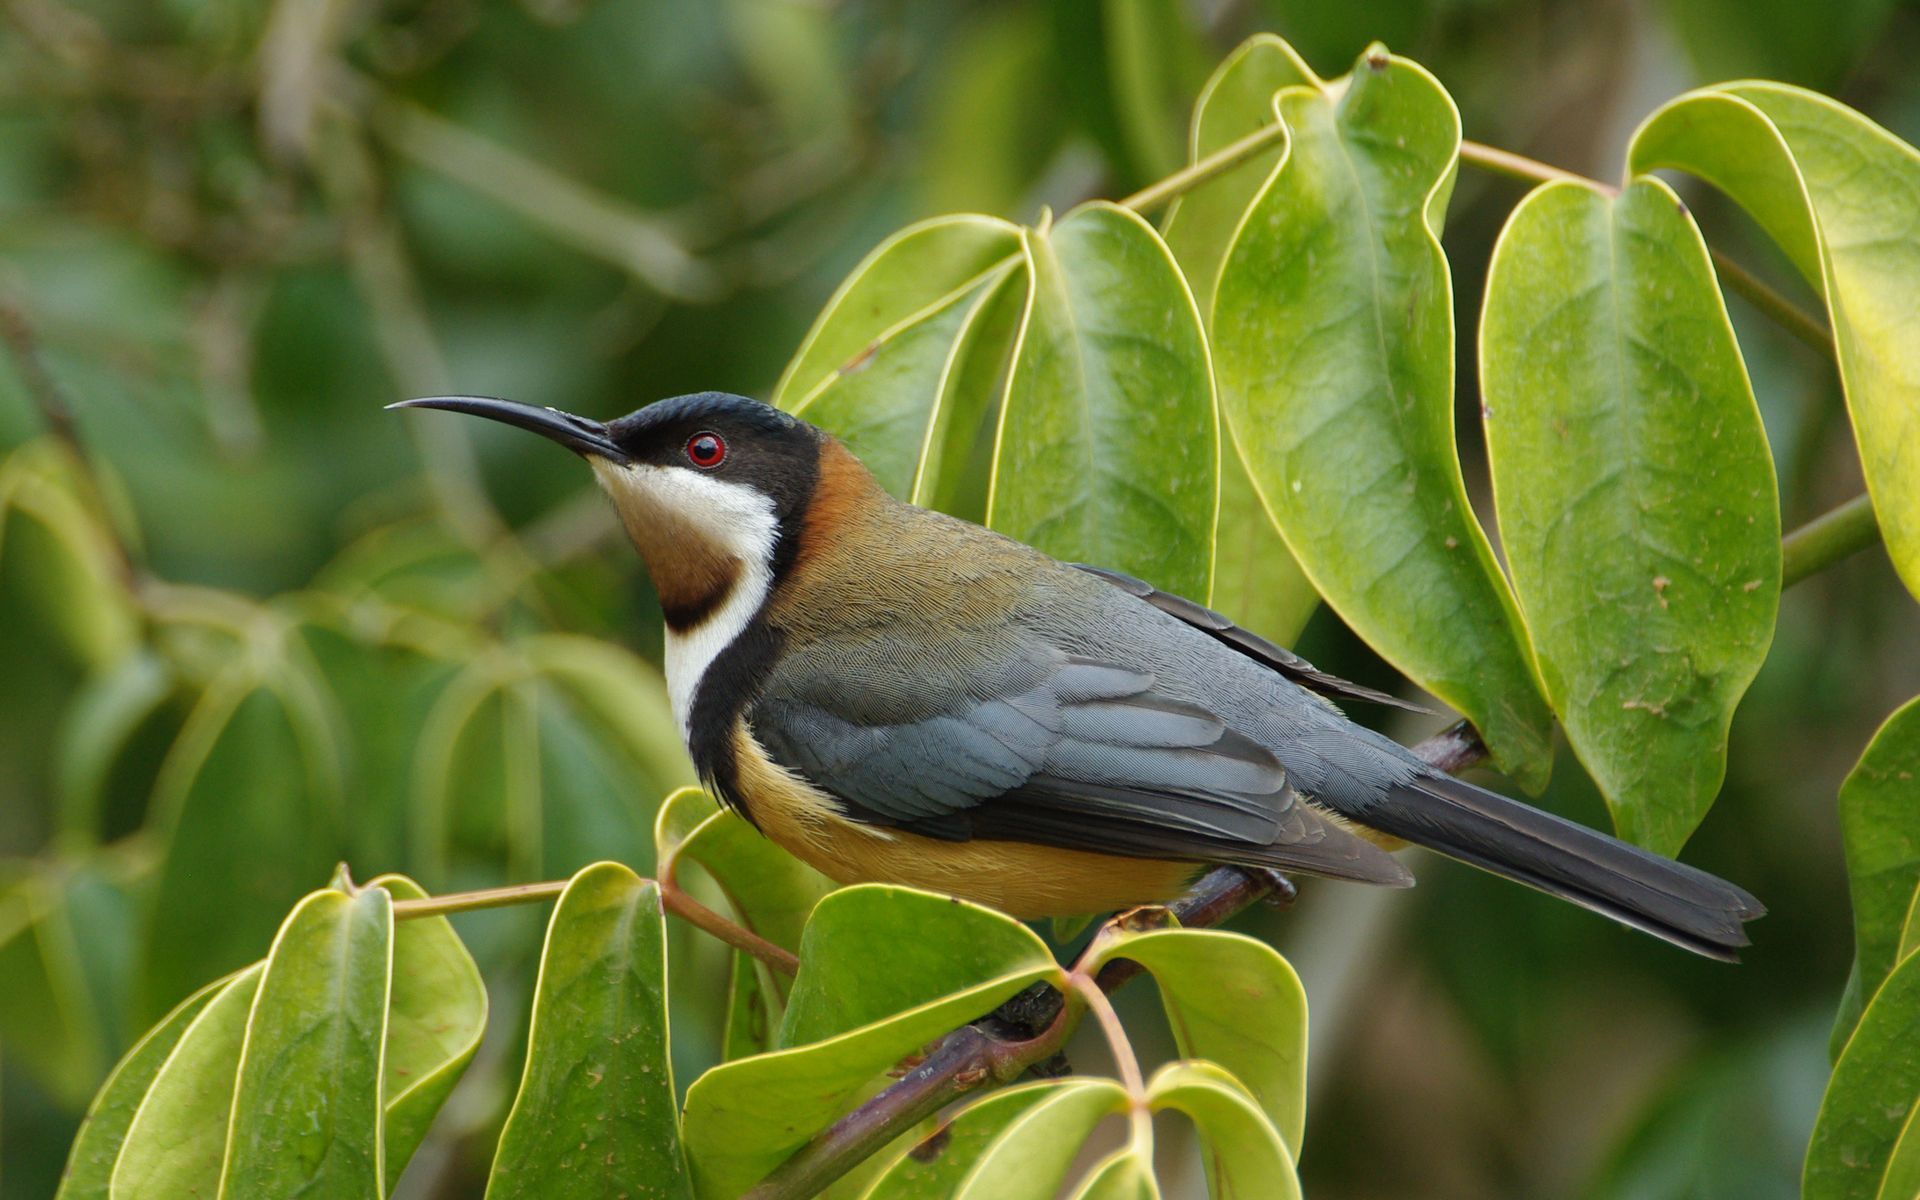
(1018, 878)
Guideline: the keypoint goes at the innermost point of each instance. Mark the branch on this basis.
(672, 899)
(1828, 538)
(1782, 311)
(1032, 1027)
(1211, 167)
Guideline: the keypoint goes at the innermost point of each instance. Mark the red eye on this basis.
(706, 450)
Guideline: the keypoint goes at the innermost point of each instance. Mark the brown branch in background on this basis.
(17, 331)
(1033, 1026)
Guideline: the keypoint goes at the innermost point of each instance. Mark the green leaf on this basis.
(1880, 829)
(595, 1114)
(232, 868)
(894, 969)
(1902, 1178)
(872, 951)
(436, 1015)
(1108, 449)
(68, 556)
(1635, 491)
(1834, 190)
(106, 714)
(1033, 1154)
(873, 368)
(1234, 1001)
(306, 1111)
(1236, 101)
(1871, 1096)
(1333, 338)
(49, 1022)
(97, 1146)
(936, 1165)
(1255, 580)
(956, 467)
(1245, 1155)
(178, 1137)
(1125, 1175)
(771, 891)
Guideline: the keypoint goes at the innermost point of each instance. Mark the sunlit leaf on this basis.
(957, 462)
(936, 1165)
(250, 804)
(595, 1113)
(1835, 191)
(1125, 1175)
(913, 964)
(1034, 1152)
(97, 1146)
(306, 1114)
(1234, 1001)
(1245, 1155)
(1108, 450)
(437, 1012)
(178, 1137)
(875, 364)
(1880, 828)
(1871, 1096)
(1635, 491)
(1333, 338)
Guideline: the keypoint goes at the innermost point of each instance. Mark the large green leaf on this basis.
(1333, 338)
(936, 1165)
(178, 1136)
(1255, 579)
(1108, 450)
(306, 1116)
(249, 794)
(97, 1146)
(436, 1015)
(595, 1114)
(875, 368)
(1234, 1001)
(1245, 1157)
(1635, 491)
(1880, 828)
(1871, 1096)
(881, 955)
(1033, 1154)
(1835, 191)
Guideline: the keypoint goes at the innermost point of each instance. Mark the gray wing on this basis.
(1251, 644)
(1035, 745)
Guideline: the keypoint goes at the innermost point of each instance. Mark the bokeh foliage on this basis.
(266, 628)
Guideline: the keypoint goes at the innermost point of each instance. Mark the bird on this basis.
(897, 695)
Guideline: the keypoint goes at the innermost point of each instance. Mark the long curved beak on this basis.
(578, 434)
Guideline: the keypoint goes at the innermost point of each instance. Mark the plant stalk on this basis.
(1211, 167)
(1830, 537)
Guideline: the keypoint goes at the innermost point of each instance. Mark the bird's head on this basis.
(714, 489)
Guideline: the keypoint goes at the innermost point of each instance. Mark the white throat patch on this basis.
(736, 520)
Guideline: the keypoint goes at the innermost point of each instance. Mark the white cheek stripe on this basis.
(739, 521)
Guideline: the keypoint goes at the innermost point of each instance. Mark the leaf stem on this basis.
(1828, 538)
(672, 899)
(1034, 1025)
(1211, 167)
(1776, 307)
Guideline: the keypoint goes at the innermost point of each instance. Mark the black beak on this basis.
(578, 434)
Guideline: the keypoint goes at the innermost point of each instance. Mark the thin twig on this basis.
(1828, 538)
(1033, 1026)
(672, 899)
(1771, 304)
(1211, 167)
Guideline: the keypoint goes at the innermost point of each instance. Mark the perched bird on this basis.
(893, 694)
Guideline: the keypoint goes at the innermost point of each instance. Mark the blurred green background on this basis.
(230, 232)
